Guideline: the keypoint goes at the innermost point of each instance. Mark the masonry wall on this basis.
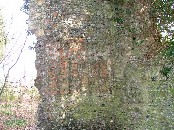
(87, 63)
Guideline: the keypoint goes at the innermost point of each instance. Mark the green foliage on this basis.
(163, 11)
(7, 112)
(15, 122)
(8, 95)
(6, 106)
(169, 51)
(2, 36)
(119, 10)
(5, 109)
(165, 71)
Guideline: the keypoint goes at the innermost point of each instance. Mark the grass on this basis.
(6, 112)
(15, 122)
(5, 106)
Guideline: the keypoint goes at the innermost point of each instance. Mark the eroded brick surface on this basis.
(81, 51)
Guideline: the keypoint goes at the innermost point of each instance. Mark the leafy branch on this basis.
(8, 72)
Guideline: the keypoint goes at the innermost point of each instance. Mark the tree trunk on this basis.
(91, 59)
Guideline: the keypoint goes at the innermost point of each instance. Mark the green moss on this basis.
(94, 107)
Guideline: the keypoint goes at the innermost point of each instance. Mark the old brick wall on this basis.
(81, 52)
(66, 62)
(65, 30)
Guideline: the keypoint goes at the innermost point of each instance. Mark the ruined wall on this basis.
(67, 63)
(89, 68)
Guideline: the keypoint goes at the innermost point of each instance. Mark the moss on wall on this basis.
(92, 72)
